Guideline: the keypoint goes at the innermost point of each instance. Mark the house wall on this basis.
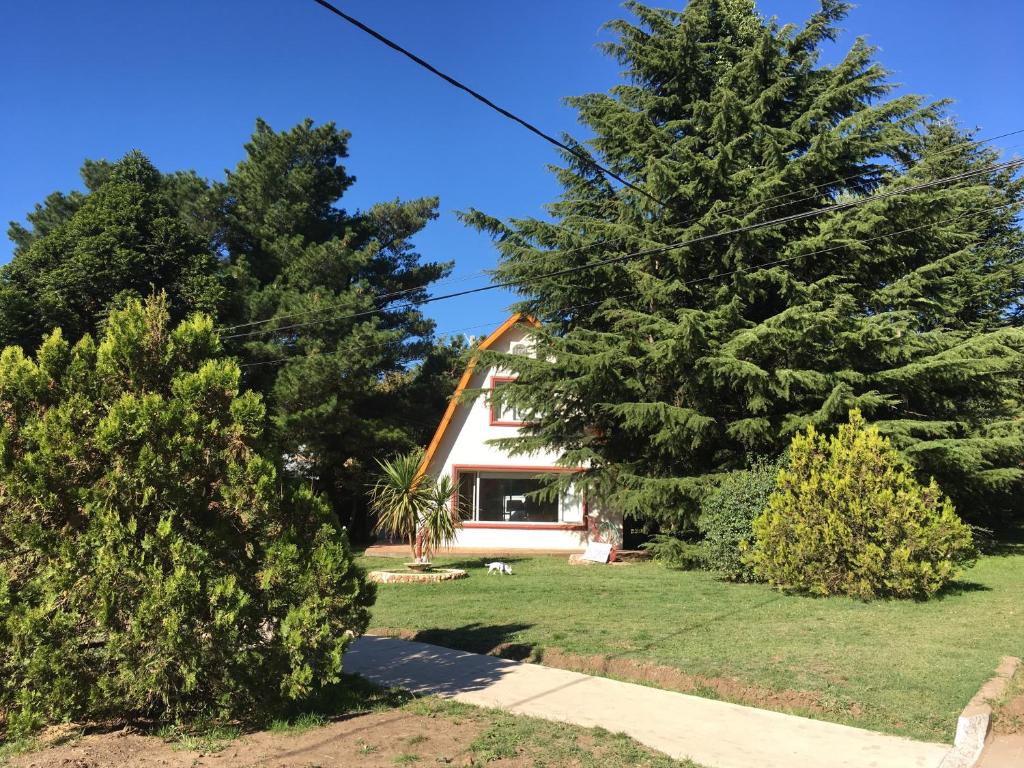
(464, 446)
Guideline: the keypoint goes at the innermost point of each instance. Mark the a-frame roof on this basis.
(453, 404)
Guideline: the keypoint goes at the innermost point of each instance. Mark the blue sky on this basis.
(185, 81)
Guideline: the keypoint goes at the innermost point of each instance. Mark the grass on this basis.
(199, 738)
(897, 666)
(365, 747)
(9, 749)
(495, 735)
(304, 722)
(546, 744)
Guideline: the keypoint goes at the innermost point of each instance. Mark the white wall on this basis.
(465, 444)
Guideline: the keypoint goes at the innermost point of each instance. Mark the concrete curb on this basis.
(974, 722)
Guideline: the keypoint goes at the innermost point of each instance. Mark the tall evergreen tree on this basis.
(340, 388)
(89, 252)
(270, 246)
(662, 372)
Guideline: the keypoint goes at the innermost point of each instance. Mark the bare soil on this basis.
(1009, 717)
(378, 740)
(672, 679)
(657, 675)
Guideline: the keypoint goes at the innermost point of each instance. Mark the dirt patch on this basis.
(1009, 717)
(673, 679)
(660, 676)
(379, 740)
(401, 634)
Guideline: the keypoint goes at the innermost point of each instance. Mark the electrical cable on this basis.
(646, 252)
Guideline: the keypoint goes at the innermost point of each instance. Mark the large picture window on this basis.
(509, 497)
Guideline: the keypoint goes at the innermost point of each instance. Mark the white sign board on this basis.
(598, 552)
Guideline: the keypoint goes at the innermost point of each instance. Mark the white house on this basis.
(495, 487)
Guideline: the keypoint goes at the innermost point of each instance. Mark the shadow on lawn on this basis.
(480, 562)
(957, 588)
(490, 639)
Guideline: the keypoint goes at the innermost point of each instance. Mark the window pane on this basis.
(467, 492)
(572, 506)
(506, 499)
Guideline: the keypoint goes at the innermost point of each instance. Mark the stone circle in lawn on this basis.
(403, 576)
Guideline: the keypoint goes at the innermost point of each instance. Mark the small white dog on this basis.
(497, 567)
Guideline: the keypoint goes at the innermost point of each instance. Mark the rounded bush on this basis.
(848, 518)
(727, 518)
(152, 562)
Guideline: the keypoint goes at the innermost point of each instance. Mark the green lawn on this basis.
(901, 667)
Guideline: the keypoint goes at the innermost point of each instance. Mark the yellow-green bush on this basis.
(847, 517)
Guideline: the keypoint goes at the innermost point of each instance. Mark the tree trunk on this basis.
(418, 551)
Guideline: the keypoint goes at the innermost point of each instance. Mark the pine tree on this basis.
(88, 253)
(270, 245)
(663, 371)
(340, 389)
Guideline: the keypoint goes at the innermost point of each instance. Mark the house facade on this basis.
(495, 489)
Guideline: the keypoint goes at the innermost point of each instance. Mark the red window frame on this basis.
(495, 421)
(457, 468)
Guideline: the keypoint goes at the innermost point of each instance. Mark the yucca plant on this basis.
(409, 506)
(440, 523)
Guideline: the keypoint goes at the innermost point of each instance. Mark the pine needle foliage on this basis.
(273, 256)
(662, 372)
(847, 517)
(151, 563)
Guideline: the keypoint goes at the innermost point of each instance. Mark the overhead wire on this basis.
(388, 296)
(692, 281)
(645, 252)
(579, 155)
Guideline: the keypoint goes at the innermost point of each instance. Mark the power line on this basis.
(693, 281)
(650, 251)
(448, 332)
(843, 179)
(472, 275)
(848, 178)
(484, 100)
(378, 297)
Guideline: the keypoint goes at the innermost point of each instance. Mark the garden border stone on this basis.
(973, 725)
(414, 577)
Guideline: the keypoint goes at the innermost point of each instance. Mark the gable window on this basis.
(506, 414)
(508, 497)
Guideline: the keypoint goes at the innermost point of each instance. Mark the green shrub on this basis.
(673, 552)
(151, 561)
(727, 518)
(848, 517)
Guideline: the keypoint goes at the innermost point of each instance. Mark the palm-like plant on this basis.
(408, 506)
(440, 522)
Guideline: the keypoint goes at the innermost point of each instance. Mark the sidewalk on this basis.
(1003, 751)
(713, 733)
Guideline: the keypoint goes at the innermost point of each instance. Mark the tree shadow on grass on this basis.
(490, 639)
(957, 588)
(471, 563)
(1003, 549)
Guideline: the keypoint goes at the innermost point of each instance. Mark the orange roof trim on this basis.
(453, 404)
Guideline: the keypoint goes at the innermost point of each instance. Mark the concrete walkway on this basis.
(713, 733)
(1003, 751)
